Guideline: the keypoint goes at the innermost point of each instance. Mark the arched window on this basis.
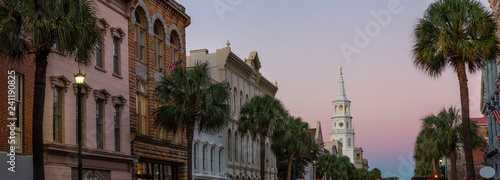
(335, 109)
(253, 147)
(241, 99)
(158, 44)
(248, 149)
(346, 109)
(204, 154)
(349, 142)
(341, 110)
(140, 34)
(229, 144)
(242, 154)
(236, 146)
(220, 160)
(174, 42)
(347, 125)
(234, 100)
(212, 160)
(195, 157)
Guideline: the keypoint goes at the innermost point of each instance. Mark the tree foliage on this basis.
(460, 34)
(189, 98)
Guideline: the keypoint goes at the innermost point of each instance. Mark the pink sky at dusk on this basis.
(299, 46)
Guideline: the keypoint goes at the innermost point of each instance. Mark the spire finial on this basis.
(340, 67)
(228, 43)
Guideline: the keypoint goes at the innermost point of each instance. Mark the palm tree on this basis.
(325, 165)
(259, 116)
(376, 173)
(445, 126)
(33, 27)
(292, 139)
(461, 34)
(191, 98)
(440, 135)
(426, 151)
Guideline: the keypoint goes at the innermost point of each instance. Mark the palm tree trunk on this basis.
(189, 136)
(38, 104)
(453, 157)
(464, 101)
(289, 171)
(434, 167)
(262, 157)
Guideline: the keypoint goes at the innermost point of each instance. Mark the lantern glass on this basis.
(79, 78)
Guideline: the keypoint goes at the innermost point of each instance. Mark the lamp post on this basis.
(79, 78)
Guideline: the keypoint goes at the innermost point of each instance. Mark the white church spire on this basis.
(341, 93)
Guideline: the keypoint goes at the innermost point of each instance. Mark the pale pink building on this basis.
(106, 119)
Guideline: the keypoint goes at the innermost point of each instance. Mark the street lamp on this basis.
(79, 78)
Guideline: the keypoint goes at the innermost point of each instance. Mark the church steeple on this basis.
(343, 130)
(341, 93)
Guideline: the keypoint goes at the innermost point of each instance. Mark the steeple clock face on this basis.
(341, 124)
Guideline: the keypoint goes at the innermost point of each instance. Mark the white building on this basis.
(342, 122)
(230, 154)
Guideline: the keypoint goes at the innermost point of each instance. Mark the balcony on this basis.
(342, 131)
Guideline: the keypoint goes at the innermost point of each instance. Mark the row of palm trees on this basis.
(190, 97)
(460, 34)
(333, 167)
(438, 139)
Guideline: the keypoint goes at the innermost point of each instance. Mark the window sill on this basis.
(100, 69)
(117, 75)
(141, 61)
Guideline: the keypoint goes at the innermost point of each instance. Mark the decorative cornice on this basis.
(101, 94)
(118, 100)
(117, 32)
(60, 81)
(86, 89)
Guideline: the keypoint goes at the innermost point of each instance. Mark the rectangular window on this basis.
(175, 55)
(141, 45)
(159, 53)
(116, 61)
(117, 128)
(57, 114)
(19, 111)
(98, 55)
(99, 123)
(141, 108)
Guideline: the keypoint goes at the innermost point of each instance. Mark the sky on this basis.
(301, 44)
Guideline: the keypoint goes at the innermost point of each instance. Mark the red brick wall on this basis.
(27, 69)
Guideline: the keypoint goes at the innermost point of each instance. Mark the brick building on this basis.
(156, 36)
(24, 83)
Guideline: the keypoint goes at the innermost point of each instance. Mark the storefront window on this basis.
(156, 171)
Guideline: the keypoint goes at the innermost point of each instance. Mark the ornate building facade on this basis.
(105, 109)
(156, 38)
(230, 154)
